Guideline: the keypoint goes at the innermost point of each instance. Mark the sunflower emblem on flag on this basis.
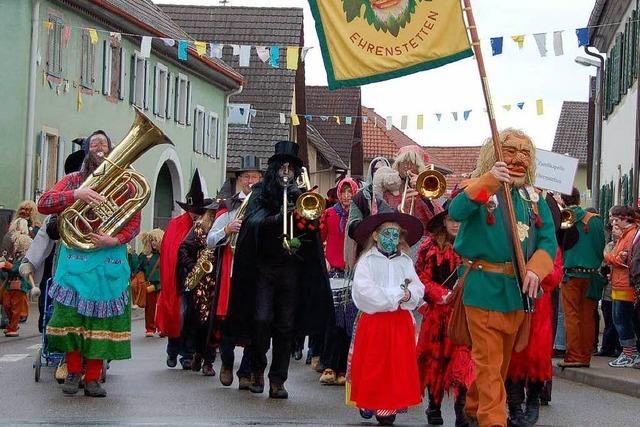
(388, 16)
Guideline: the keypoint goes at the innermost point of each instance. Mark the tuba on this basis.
(113, 179)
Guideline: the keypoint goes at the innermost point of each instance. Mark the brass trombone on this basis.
(430, 184)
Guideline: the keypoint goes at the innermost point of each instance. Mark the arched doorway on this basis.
(163, 198)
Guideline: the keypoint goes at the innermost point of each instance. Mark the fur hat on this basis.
(387, 179)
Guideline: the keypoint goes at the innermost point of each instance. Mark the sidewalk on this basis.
(601, 375)
(30, 328)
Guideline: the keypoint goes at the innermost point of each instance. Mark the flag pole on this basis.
(497, 146)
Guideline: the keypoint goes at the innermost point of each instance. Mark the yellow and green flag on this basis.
(366, 41)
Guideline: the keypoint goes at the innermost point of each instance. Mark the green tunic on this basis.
(145, 264)
(588, 252)
(477, 239)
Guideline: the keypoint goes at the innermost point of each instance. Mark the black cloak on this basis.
(316, 302)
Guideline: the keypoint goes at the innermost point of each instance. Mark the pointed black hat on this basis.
(195, 201)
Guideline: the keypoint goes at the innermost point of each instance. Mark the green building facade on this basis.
(63, 80)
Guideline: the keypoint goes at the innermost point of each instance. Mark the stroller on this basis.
(45, 357)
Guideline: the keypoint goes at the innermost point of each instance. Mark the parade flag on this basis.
(347, 120)
(145, 47)
(293, 54)
(274, 56)
(283, 120)
(466, 114)
(263, 53)
(403, 122)
(420, 122)
(519, 39)
(201, 47)
(541, 41)
(520, 105)
(365, 41)
(496, 45)
(557, 43)
(389, 122)
(244, 55)
(540, 107)
(182, 50)
(455, 115)
(93, 35)
(216, 50)
(583, 36)
(305, 50)
(295, 121)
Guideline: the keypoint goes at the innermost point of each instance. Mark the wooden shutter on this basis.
(61, 158)
(189, 112)
(123, 62)
(169, 98)
(106, 67)
(176, 99)
(132, 81)
(146, 85)
(156, 82)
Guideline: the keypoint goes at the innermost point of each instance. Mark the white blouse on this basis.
(378, 280)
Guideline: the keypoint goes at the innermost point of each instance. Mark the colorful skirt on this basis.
(96, 338)
(383, 370)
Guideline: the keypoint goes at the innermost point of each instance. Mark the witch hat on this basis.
(73, 162)
(195, 201)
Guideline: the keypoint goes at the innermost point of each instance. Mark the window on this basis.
(183, 100)
(139, 75)
(87, 61)
(113, 69)
(212, 145)
(199, 130)
(54, 49)
(50, 159)
(161, 91)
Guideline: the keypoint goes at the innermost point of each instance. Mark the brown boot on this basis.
(226, 376)
(244, 383)
(257, 385)
(207, 370)
(277, 391)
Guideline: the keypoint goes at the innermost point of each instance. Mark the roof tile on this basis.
(572, 131)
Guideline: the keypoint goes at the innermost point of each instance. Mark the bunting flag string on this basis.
(439, 117)
(295, 54)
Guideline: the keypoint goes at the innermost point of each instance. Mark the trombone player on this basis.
(92, 311)
(226, 226)
(276, 293)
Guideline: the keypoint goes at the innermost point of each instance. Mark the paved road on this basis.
(143, 392)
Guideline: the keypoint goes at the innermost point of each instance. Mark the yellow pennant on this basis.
(519, 40)
(93, 34)
(48, 25)
(293, 53)
(295, 120)
(80, 102)
(420, 122)
(337, 119)
(201, 47)
(507, 107)
(374, 40)
(540, 106)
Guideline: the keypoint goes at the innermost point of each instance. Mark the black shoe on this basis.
(207, 370)
(532, 407)
(186, 364)
(94, 389)
(458, 407)
(308, 360)
(277, 391)
(257, 386)
(297, 354)
(386, 421)
(515, 397)
(71, 384)
(434, 416)
(172, 361)
(244, 383)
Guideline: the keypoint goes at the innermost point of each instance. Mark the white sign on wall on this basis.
(555, 172)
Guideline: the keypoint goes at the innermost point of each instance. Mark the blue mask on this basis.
(388, 240)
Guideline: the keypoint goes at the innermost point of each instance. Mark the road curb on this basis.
(609, 383)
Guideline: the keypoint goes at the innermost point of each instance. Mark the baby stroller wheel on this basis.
(366, 414)
(37, 365)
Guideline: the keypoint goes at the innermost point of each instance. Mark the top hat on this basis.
(286, 151)
(409, 223)
(248, 162)
(73, 162)
(195, 201)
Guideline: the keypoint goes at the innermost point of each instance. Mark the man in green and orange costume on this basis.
(492, 298)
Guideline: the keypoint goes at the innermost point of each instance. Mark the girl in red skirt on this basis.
(443, 365)
(383, 372)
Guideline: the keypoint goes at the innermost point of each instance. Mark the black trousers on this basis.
(277, 299)
(197, 334)
(182, 345)
(336, 349)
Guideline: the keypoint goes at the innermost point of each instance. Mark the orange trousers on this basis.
(579, 320)
(13, 304)
(150, 311)
(493, 335)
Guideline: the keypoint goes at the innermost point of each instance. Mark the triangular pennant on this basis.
(305, 50)
(519, 39)
(507, 107)
(541, 42)
(583, 36)
(520, 105)
(365, 119)
(496, 45)
(216, 50)
(439, 116)
(283, 119)
(466, 114)
(389, 122)
(347, 120)
(420, 121)
(557, 43)
(93, 35)
(308, 117)
(455, 115)
(324, 118)
(337, 119)
(403, 122)
(201, 47)
(540, 107)
(295, 121)
(263, 53)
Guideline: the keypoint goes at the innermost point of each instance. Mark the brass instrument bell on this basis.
(431, 184)
(567, 218)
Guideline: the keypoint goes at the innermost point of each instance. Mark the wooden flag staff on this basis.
(497, 146)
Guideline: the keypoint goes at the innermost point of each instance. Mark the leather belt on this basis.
(505, 268)
(581, 270)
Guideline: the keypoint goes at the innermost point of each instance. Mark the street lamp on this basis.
(597, 129)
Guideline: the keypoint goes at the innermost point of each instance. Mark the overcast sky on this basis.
(515, 76)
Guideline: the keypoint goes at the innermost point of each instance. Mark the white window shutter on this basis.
(189, 112)
(156, 87)
(123, 62)
(169, 97)
(195, 137)
(106, 67)
(176, 99)
(134, 73)
(146, 85)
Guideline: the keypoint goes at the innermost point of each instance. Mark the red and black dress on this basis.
(442, 365)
